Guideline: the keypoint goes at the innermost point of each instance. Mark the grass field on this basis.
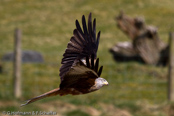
(47, 25)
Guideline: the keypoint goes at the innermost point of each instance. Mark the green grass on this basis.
(47, 27)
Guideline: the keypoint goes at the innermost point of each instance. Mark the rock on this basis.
(27, 56)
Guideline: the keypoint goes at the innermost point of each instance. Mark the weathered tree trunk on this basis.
(145, 40)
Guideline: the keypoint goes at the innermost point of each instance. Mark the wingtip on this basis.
(90, 14)
(94, 21)
(77, 22)
(99, 33)
(83, 17)
(90, 19)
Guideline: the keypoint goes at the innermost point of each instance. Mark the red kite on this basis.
(80, 72)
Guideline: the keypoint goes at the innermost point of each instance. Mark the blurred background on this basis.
(134, 89)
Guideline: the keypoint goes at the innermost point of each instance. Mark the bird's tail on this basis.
(53, 92)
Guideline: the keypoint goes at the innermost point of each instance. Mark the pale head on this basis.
(100, 82)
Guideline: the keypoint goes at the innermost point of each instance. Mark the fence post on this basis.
(171, 68)
(17, 63)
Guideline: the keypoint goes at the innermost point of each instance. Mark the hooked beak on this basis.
(106, 83)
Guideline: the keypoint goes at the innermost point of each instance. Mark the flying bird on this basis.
(80, 72)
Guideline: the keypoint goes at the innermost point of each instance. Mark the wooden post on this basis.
(171, 68)
(17, 63)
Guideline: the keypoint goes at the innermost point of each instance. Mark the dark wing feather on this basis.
(93, 66)
(82, 44)
(92, 61)
(100, 71)
(87, 62)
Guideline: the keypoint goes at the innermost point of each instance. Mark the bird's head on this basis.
(104, 81)
(100, 82)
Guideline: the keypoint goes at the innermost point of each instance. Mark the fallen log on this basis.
(124, 51)
(145, 42)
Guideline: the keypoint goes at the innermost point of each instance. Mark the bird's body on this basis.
(79, 72)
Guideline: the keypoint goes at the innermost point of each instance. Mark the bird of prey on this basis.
(80, 72)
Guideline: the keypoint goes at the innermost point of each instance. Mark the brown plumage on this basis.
(80, 72)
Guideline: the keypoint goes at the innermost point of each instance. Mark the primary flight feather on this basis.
(80, 72)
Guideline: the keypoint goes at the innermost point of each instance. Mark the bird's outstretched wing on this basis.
(83, 43)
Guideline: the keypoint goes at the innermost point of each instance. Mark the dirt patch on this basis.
(111, 110)
(169, 109)
(62, 107)
(90, 110)
(58, 106)
(105, 109)
(156, 110)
